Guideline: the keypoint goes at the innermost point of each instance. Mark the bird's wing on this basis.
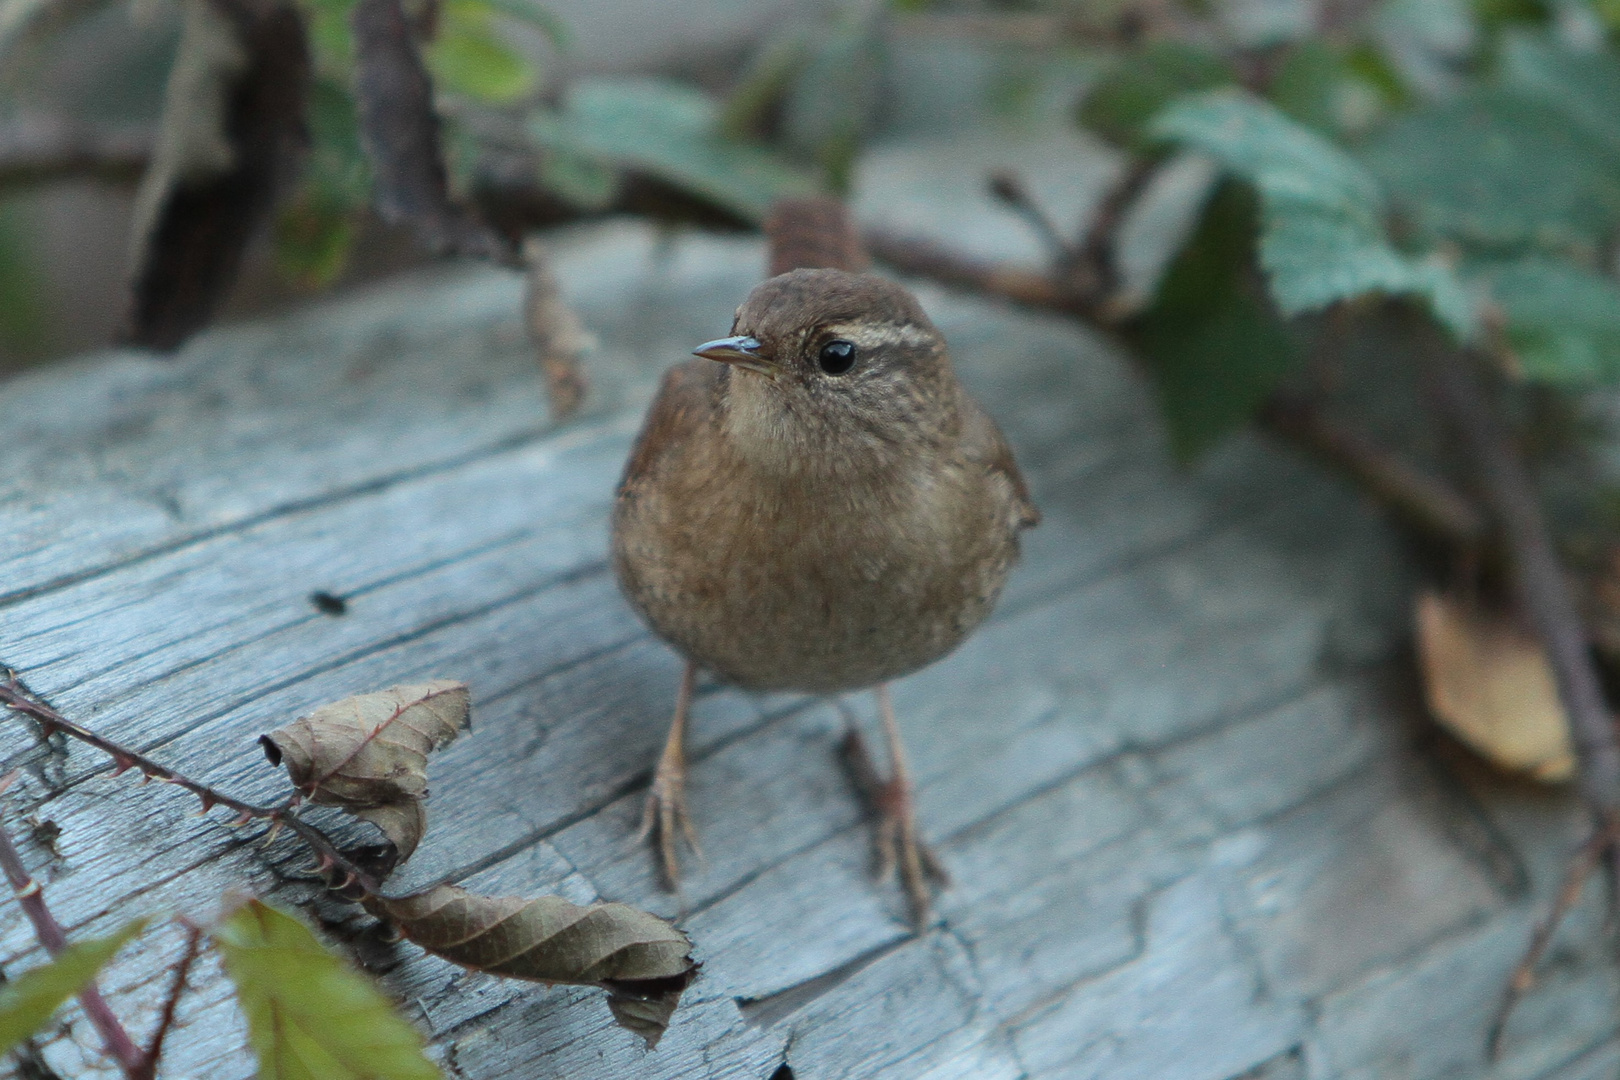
(685, 403)
(985, 446)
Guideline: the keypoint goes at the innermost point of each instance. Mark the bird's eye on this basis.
(837, 357)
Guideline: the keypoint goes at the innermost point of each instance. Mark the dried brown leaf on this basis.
(233, 119)
(400, 131)
(368, 753)
(404, 823)
(558, 335)
(643, 961)
(1487, 680)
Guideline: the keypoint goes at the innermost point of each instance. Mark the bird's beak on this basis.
(743, 352)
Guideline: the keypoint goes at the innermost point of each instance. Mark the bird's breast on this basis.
(811, 583)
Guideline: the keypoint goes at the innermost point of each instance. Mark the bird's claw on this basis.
(665, 816)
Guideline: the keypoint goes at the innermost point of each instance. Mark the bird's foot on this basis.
(895, 840)
(664, 815)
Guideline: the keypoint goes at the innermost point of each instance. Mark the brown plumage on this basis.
(824, 510)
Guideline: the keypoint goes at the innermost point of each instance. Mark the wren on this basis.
(816, 505)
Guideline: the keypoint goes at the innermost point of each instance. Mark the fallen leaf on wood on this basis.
(400, 132)
(233, 118)
(1488, 682)
(558, 335)
(368, 753)
(643, 961)
(310, 1015)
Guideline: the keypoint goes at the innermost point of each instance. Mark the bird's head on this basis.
(825, 362)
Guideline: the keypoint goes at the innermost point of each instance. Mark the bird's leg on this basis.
(896, 839)
(665, 811)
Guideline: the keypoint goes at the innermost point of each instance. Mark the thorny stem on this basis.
(31, 898)
(328, 858)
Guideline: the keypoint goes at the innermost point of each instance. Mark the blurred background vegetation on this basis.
(702, 112)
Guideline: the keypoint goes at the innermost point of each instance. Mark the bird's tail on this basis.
(815, 231)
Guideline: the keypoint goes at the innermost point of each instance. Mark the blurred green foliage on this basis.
(1468, 159)
(665, 129)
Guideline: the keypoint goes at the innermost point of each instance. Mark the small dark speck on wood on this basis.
(328, 604)
(400, 132)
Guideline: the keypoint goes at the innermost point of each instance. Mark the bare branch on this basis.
(1541, 584)
(1425, 503)
(1543, 592)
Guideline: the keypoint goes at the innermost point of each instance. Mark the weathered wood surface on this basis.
(1197, 830)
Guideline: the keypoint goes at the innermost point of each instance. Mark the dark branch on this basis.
(1426, 504)
(1540, 583)
(1544, 594)
(154, 1050)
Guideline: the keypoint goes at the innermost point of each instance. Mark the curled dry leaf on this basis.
(643, 961)
(233, 118)
(1488, 682)
(558, 335)
(368, 753)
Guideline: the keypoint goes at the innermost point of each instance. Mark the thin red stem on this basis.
(31, 898)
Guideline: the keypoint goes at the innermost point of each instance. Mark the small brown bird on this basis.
(823, 510)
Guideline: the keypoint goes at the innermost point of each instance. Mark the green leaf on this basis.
(1585, 87)
(1562, 322)
(310, 1016)
(1215, 347)
(1495, 168)
(671, 132)
(1322, 236)
(29, 1000)
(468, 56)
(1140, 84)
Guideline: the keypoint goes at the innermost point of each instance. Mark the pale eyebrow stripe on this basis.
(875, 337)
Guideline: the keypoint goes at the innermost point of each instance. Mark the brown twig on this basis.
(1524, 976)
(31, 898)
(1017, 284)
(1096, 270)
(329, 860)
(1543, 592)
(147, 1069)
(1426, 504)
